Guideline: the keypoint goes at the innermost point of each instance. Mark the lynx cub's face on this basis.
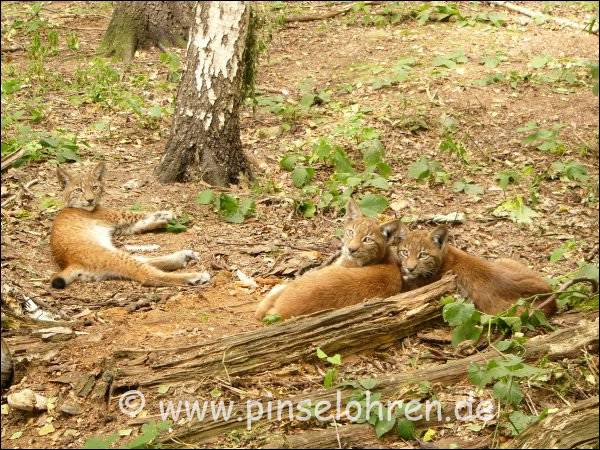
(422, 253)
(82, 190)
(365, 241)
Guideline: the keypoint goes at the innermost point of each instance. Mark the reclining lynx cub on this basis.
(492, 286)
(366, 269)
(81, 239)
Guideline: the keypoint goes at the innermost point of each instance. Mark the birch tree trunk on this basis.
(205, 140)
(141, 24)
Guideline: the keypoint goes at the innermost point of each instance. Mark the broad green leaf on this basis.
(205, 197)
(380, 183)
(537, 62)
(335, 359)
(301, 176)
(518, 421)
(368, 383)
(330, 377)
(507, 391)
(321, 354)
(372, 204)
(457, 313)
(101, 441)
(384, 425)
(288, 162)
(405, 429)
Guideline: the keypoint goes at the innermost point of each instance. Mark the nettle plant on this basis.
(348, 175)
(231, 208)
(507, 373)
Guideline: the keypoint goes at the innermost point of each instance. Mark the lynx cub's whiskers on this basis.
(81, 239)
(366, 269)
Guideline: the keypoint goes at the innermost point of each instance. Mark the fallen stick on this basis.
(536, 14)
(328, 15)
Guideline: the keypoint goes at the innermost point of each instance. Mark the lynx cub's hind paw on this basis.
(187, 256)
(163, 216)
(198, 278)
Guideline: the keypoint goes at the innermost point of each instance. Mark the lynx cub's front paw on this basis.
(198, 278)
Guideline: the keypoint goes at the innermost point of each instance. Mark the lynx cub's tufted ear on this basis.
(353, 212)
(391, 229)
(64, 177)
(402, 232)
(439, 236)
(98, 171)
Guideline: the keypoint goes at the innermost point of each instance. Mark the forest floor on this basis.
(456, 92)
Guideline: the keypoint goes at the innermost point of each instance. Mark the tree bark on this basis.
(142, 24)
(205, 140)
(564, 343)
(348, 330)
(574, 427)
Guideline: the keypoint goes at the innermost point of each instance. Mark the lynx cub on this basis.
(492, 286)
(366, 269)
(81, 241)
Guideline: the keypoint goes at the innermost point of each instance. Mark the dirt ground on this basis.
(278, 243)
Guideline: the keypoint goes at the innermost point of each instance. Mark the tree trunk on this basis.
(348, 330)
(141, 24)
(205, 135)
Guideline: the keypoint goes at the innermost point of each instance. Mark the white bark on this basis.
(218, 54)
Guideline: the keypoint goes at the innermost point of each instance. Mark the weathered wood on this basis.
(536, 14)
(348, 330)
(342, 436)
(567, 342)
(573, 427)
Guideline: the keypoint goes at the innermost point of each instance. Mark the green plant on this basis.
(425, 169)
(332, 373)
(542, 138)
(437, 13)
(450, 61)
(516, 210)
(560, 252)
(146, 439)
(270, 319)
(38, 146)
(233, 209)
(505, 373)
(468, 323)
(173, 63)
(507, 177)
(384, 419)
(467, 188)
(178, 225)
(568, 171)
(73, 41)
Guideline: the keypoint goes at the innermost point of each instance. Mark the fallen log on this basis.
(573, 427)
(348, 330)
(564, 343)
